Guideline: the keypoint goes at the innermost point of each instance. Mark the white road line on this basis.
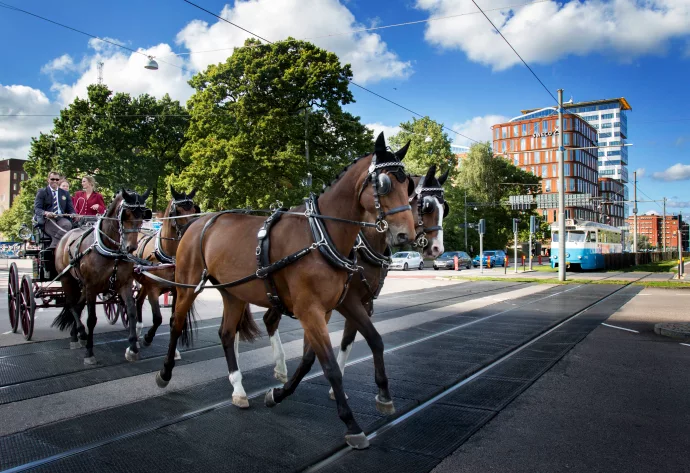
(620, 328)
(8, 332)
(686, 344)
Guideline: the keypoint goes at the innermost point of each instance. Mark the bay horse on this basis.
(222, 248)
(100, 263)
(429, 208)
(161, 248)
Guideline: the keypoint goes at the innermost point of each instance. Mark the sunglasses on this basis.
(52, 179)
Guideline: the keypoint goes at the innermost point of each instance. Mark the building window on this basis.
(504, 132)
(547, 185)
(572, 184)
(566, 139)
(537, 157)
(14, 187)
(515, 130)
(543, 171)
(543, 141)
(23, 176)
(606, 125)
(617, 124)
(522, 143)
(544, 126)
(14, 176)
(517, 161)
(524, 128)
(566, 168)
(554, 170)
(606, 116)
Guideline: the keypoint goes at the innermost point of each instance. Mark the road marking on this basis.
(620, 328)
(8, 332)
(686, 344)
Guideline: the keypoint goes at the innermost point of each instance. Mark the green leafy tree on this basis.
(487, 181)
(249, 118)
(429, 144)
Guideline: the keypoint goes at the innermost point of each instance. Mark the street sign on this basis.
(516, 221)
(482, 227)
(521, 202)
(550, 201)
(532, 224)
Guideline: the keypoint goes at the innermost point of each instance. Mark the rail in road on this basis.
(448, 377)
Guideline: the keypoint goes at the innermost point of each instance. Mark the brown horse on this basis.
(161, 248)
(223, 248)
(429, 209)
(100, 264)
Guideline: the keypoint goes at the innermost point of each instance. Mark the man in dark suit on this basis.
(50, 207)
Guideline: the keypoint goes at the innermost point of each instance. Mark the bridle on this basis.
(123, 232)
(184, 202)
(425, 199)
(382, 185)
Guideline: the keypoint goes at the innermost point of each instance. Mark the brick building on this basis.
(530, 142)
(11, 176)
(651, 225)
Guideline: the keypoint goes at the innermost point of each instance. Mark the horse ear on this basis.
(430, 174)
(125, 194)
(444, 177)
(380, 146)
(400, 154)
(191, 194)
(146, 194)
(176, 196)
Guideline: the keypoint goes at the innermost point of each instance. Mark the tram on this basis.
(586, 243)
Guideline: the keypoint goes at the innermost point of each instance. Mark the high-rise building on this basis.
(609, 118)
(652, 226)
(530, 142)
(11, 176)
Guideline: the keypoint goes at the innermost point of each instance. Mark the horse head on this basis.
(132, 213)
(430, 208)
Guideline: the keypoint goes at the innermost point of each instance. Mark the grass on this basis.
(658, 267)
(618, 282)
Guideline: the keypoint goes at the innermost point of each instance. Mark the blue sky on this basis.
(456, 70)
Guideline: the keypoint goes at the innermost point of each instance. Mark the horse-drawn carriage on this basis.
(41, 288)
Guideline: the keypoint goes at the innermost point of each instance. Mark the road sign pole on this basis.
(515, 252)
(482, 229)
(561, 191)
(532, 227)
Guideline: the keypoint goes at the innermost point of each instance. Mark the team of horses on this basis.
(331, 253)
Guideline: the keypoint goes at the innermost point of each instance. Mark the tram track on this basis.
(22, 385)
(390, 424)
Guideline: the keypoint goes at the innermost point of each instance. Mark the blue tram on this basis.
(586, 243)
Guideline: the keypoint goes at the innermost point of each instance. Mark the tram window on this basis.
(591, 237)
(554, 237)
(576, 236)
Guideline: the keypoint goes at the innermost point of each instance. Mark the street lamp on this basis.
(151, 64)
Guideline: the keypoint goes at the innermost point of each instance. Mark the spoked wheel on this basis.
(13, 297)
(136, 287)
(111, 309)
(27, 306)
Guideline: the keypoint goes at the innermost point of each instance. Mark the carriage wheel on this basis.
(27, 306)
(13, 297)
(136, 287)
(110, 308)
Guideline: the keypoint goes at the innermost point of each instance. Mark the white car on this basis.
(406, 260)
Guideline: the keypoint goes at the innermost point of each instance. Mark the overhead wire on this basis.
(351, 81)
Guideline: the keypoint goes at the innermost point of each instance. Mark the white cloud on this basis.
(546, 31)
(62, 63)
(677, 172)
(369, 55)
(677, 204)
(477, 128)
(641, 172)
(387, 130)
(16, 132)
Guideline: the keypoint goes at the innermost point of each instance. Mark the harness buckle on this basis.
(381, 226)
(421, 242)
(258, 250)
(275, 206)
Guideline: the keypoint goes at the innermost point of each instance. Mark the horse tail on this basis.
(64, 320)
(189, 329)
(247, 328)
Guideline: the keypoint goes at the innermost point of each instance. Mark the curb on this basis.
(673, 330)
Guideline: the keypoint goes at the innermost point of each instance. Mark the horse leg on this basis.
(349, 334)
(177, 324)
(90, 359)
(132, 351)
(358, 318)
(276, 396)
(314, 322)
(141, 297)
(233, 310)
(153, 294)
(271, 321)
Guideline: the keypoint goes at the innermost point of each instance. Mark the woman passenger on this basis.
(88, 201)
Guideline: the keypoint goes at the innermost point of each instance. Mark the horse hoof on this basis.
(331, 394)
(90, 360)
(177, 354)
(140, 328)
(358, 442)
(280, 376)
(131, 356)
(145, 342)
(160, 381)
(268, 400)
(82, 342)
(240, 401)
(385, 407)
(74, 345)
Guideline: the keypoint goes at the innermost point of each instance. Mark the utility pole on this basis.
(561, 191)
(306, 144)
(532, 229)
(482, 230)
(663, 223)
(635, 217)
(466, 221)
(516, 221)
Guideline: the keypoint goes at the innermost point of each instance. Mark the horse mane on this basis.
(389, 157)
(167, 223)
(110, 212)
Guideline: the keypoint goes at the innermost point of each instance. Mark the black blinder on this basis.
(428, 204)
(384, 184)
(446, 209)
(148, 214)
(197, 210)
(410, 187)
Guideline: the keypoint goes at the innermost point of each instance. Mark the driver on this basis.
(51, 207)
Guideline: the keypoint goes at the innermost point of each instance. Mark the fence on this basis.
(626, 260)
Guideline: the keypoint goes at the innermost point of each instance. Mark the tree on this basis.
(488, 181)
(249, 119)
(429, 144)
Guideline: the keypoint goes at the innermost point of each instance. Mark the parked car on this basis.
(498, 258)
(407, 259)
(447, 260)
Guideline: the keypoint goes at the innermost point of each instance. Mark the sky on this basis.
(447, 62)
